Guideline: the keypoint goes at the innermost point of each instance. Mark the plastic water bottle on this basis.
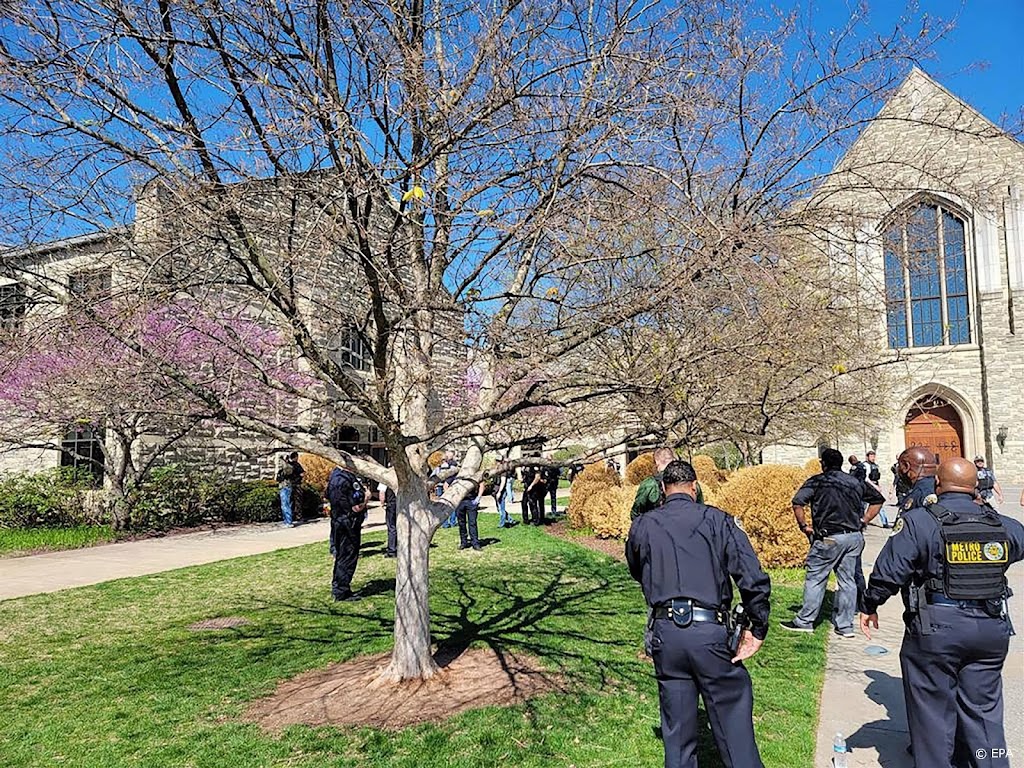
(839, 752)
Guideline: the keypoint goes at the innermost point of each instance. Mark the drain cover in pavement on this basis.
(876, 650)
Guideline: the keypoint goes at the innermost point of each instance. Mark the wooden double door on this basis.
(935, 424)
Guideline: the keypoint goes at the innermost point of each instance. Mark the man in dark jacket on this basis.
(686, 557)
(916, 466)
(949, 558)
(835, 531)
(347, 497)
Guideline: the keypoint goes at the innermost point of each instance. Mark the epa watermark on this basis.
(996, 753)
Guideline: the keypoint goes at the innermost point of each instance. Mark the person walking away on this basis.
(874, 477)
(289, 482)
(837, 541)
(988, 486)
(949, 559)
(686, 557)
(389, 499)
(348, 503)
(466, 513)
(857, 469)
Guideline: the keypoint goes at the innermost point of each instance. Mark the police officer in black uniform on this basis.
(685, 556)
(916, 466)
(527, 474)
(949, 560)
(347, 497)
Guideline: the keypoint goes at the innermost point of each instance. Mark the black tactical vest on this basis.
(986, 480)
(975, 554)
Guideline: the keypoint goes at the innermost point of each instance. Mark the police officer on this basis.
(949, 559)
(836, 534)
(916, 467)
(347, 497)
(527, 475)
(685, 556)
(390, 501)
(988, 486)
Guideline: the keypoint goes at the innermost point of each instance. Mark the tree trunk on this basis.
(412, 658)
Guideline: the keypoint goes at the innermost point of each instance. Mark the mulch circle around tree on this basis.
(221, 622)
(613, 547)
(352, 693)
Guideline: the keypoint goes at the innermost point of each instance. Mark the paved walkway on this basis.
(863, 694)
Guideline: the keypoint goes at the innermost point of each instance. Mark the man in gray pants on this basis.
(835, 532)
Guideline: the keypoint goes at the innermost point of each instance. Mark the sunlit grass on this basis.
(110, 675)
(23, 540)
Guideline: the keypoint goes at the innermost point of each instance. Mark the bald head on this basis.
(663, 457)
(956, 476)
(916, 462)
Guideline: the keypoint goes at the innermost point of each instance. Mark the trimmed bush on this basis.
(708, 473)
(607, 511)
(761, 500)
(640, 468)
(54, 498)
(593, 479)
(813, 466)
(318, 470)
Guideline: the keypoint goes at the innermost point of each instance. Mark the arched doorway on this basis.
(933, 423)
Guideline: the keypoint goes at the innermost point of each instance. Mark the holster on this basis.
(735, 623)
(919, 605)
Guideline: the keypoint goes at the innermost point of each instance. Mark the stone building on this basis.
(926, 216)
(175, 245)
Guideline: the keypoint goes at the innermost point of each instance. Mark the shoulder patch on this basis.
(897, 528)
(909, 503)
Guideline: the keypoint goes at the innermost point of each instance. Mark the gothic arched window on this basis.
(926, 296)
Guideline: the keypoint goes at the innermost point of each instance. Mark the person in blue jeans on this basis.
(466, 514)
(837, 540)
(289, 478)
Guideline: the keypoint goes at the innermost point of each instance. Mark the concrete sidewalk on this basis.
(53, 571)
(863, 694)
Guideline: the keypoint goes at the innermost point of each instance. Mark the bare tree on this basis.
(447, 214)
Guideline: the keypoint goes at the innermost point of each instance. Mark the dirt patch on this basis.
(221, 622)
(352, 694)
(612, 547)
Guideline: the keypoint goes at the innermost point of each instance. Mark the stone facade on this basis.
(927, 147)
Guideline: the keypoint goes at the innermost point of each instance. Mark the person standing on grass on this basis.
(837, 541)
(551, 477)
(289, 483)
(467, 513)
(537, 495)
(503, 497)
(348, 503)
(686, 557)
(388, 498)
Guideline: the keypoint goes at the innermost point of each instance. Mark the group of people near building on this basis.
(947, 555)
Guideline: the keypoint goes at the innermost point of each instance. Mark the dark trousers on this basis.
(554, 500)
(526, 504)
(467, 515)
(953, 686)
(391, 521)
(691, 662)
(536, 504)
(347, 535)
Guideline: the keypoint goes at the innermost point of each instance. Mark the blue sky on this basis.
(981, 61)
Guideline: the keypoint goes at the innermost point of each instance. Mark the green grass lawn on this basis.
(110, 676)
(22, 540)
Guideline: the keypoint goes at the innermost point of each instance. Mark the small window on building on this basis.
(926, 297)
(13, 304)
(354, 349)
(82, 449)
(90, 284)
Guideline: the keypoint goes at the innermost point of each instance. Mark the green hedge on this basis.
(54, 498)
(179, 496)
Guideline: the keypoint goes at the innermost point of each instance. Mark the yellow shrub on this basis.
(318, 470)
(708, 473)
(761, 499)
(640, 468)
(813, 466)
(593, 479)
(607, 511)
